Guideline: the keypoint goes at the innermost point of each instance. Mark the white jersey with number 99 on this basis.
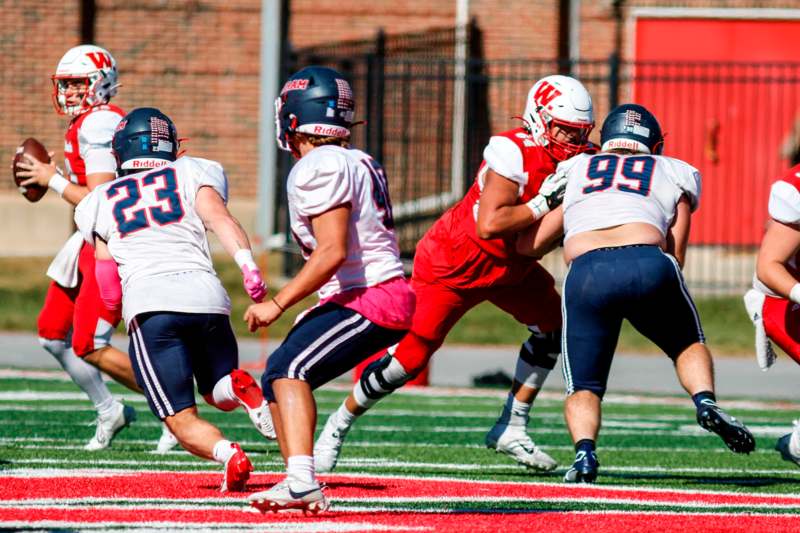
(606, 190)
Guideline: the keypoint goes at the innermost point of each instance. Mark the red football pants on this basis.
(782, 324)
(532, 302)
(79, 309)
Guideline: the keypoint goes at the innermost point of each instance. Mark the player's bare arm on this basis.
(330, 231)
(49, 175)
(217, 218)
(781, 242)
(543, 236)
(678, 233)
(498, 212)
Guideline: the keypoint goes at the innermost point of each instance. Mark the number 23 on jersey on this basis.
(128, 193)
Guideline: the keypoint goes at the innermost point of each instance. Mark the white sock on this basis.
(85, 376)
(107, 408)
(794, 441)
(344, 418)
(515, 412)
(301, 467)
(224, 398)
(223, 450)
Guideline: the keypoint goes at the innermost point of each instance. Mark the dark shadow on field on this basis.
(738, 481)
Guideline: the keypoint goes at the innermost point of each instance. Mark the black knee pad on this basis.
(373, 382)
(542, 349)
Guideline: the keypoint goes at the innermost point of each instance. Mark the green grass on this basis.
(23, 286)
(641, 445)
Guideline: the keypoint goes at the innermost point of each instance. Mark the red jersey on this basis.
(451, 250)
(88, 142)
(784, 206)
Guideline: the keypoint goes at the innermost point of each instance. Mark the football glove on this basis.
(765, 355)
(551, 194)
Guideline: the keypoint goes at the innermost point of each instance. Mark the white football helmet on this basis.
(561, 101)
(92, 64)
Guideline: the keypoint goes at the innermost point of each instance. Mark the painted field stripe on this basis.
(349, 503)
(178, 486)
(369, 520)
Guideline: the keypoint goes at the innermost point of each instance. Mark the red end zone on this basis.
(178, 498)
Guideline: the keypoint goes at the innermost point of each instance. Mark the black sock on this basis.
(587, 445)
(704, 397)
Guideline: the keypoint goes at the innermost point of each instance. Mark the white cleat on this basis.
(515, 442)
(108, 427)
(329, 446)
(291, 494)
(251, 398)
(262, 420)
(166, 442)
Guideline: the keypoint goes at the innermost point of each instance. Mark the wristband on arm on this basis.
(794, 294)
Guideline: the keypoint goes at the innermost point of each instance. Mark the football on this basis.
(35, 149)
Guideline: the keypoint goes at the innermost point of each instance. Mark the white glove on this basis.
(551, 194)
(754, 303)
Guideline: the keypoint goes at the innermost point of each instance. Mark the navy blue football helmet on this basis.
(315, 101)
(146, 138)
(631, 127)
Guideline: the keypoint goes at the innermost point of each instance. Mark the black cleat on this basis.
(584, 469)
(733, 433)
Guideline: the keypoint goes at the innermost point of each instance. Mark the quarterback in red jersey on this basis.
(73, 321)
(470, 256)
(774, 302)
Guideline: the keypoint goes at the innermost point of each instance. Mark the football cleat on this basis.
(584, 469)
(329, 445)
(733, 433)
(108, 427)
(515, 442)
(784, 445)
(251, 398)
(166, 442)
(237, 471)
(291, 494)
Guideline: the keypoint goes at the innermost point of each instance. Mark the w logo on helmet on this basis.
(545, 94)
(100, 59)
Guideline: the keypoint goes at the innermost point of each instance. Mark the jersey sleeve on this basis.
(209, 173)
(86, 216)
(784, 203)
(688, 180)
(94, 141)
(505, 158)
(322, 184)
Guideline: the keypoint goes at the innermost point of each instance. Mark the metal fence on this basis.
(729, 120)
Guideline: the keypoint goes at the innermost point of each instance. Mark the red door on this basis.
(727, 93)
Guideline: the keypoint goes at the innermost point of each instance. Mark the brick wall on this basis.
(196, 61)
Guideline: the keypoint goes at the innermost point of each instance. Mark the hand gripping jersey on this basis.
(784, 206)
(606, 190)
(87, 146)
(332, 176)
(157, 238)
(451, 250)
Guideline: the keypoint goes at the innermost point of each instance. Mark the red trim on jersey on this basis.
(77, 165)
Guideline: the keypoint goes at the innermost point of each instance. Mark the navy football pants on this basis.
(639, 283)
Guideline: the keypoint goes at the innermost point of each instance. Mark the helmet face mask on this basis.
(94, 66)
(631, 127)
(315, 101)
(559, 103)
(146, 138)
